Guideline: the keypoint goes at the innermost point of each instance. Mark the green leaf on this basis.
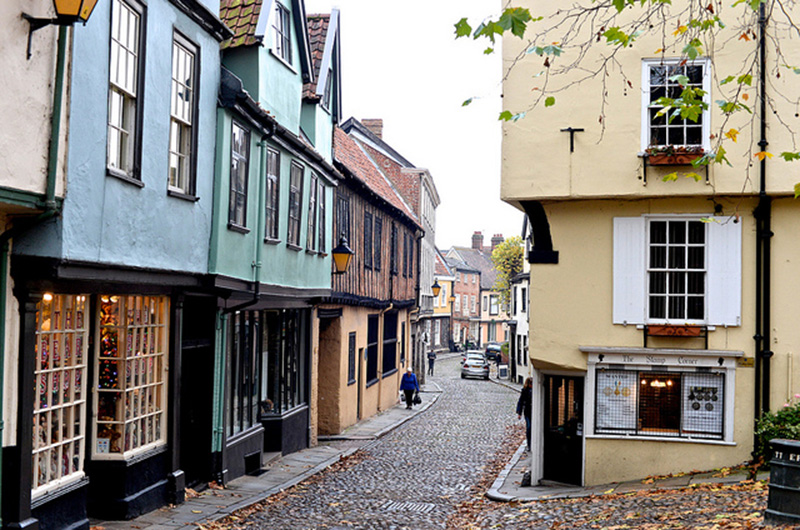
(695, 176)
(670, 177)
(467, 102)
(515, 19)
(789, 156)
(463, 29)
(488, 51)
(797, 190)
(505, 116)
(745, 79)
(727, 80)
(550, 101)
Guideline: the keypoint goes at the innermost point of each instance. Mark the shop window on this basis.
(660, 403)
(130, 374)
(246, 366)
(59, 408)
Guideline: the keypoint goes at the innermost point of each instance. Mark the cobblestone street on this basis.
(413, 477)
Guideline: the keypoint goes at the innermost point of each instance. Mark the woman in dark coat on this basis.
(409, 385)
(524, 406)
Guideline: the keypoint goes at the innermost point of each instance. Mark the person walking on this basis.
(409, 385)
(524, 406)
(431, 361)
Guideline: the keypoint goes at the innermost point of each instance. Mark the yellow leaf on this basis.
(681, 29)
(659, 50)
(761, 155)
(732, 134)
(197, 511)
(608, 492)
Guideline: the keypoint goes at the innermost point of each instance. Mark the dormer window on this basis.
(283, 33)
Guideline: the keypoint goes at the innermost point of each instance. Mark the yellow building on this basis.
(649, 291)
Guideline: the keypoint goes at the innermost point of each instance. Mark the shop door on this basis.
(563, 429)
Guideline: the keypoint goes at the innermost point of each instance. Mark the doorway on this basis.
(563, 429)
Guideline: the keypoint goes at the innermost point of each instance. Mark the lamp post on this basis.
(67, 13)
(342, 255)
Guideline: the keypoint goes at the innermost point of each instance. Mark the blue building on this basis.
(112, 292)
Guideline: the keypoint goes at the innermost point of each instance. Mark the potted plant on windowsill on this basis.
(672, 155)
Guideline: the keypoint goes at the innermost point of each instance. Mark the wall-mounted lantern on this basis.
(67, 13)
(436, 288)
(342, 255)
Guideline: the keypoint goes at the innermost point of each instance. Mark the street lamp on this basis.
(67, 13)
(342, 255)
(436, 288)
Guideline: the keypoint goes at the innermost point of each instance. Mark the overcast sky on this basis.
(401, 63)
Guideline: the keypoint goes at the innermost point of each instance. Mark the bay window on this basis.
(59, 408)
(130, 374)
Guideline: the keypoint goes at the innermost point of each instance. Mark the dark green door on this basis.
(563, 429)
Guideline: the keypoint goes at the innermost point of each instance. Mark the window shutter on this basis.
(630, 270)
(724, 272)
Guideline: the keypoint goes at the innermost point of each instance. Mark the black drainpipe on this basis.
(763, 216)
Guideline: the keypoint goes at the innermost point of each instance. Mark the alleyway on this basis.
(415, 476)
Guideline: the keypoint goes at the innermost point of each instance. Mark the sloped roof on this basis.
(317, 35)
(457, 264)
(348, 154)
(441, 268)
(241, 16)
(481, 261)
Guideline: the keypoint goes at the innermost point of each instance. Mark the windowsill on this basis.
(384, 375)
(133, 457)
(270, 241)
(124, 177)
(181, 195)
(292, 246)
(311, 252)
(282, 61)
(322, 254)
(237, 228)
(80, 480)
(660, 439)
(351, 382)
(372, 382)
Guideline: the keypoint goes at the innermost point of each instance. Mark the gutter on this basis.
(763, 216)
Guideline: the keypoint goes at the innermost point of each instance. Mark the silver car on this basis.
(475, 365)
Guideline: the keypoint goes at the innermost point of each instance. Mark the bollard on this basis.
(783, 506)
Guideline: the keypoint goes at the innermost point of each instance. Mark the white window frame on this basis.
(282, 33)
(678, 361)
(183, 112)
(240, 158)
(494, 305)
(272, 200)
(647, 64)
(457, 304)
(124, 92)
(152, 337)
(62, 331)
(723, 265)
(473, 304)
(465, 304)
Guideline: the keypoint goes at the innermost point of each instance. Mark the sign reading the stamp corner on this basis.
(616, 400)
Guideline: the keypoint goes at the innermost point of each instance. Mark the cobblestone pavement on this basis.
(415, 476)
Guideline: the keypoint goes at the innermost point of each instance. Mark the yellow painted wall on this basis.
(572, 307)
(338, 400)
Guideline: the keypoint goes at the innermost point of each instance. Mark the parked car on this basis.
(475, 365)
(494, 352)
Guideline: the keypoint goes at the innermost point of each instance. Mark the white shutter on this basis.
(629, 270)
(724, 272)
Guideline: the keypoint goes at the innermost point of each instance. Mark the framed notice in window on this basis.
(703, 400)
(616, 400)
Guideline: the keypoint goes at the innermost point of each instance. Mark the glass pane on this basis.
(696, 308)
(658, 282)
(696, 282)
(657, 75)
(677, 257)
(676, 307)
(658, 232)
(657, 307)
(695, 74)
(696, 257)
(677, 232)
(694, 135)
(677, 282)
(676, 136)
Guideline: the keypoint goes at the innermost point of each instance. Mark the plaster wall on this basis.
(11, 366)
(108, 220)
(605, 162)
(280, 86)
(317, 124)
(27, 103)
(233, 252)
(572, 307)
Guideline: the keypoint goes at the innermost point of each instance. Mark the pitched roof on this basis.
(441, 268)
(481, 261)
(317, 35)
(241, 16)
(457, 264)
(359, 166)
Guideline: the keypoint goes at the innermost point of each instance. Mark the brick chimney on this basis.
(477, 240)
(375, 126)
(496, 240)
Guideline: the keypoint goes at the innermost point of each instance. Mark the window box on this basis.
(669, 156)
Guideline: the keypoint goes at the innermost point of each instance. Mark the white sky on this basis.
(401, 63)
